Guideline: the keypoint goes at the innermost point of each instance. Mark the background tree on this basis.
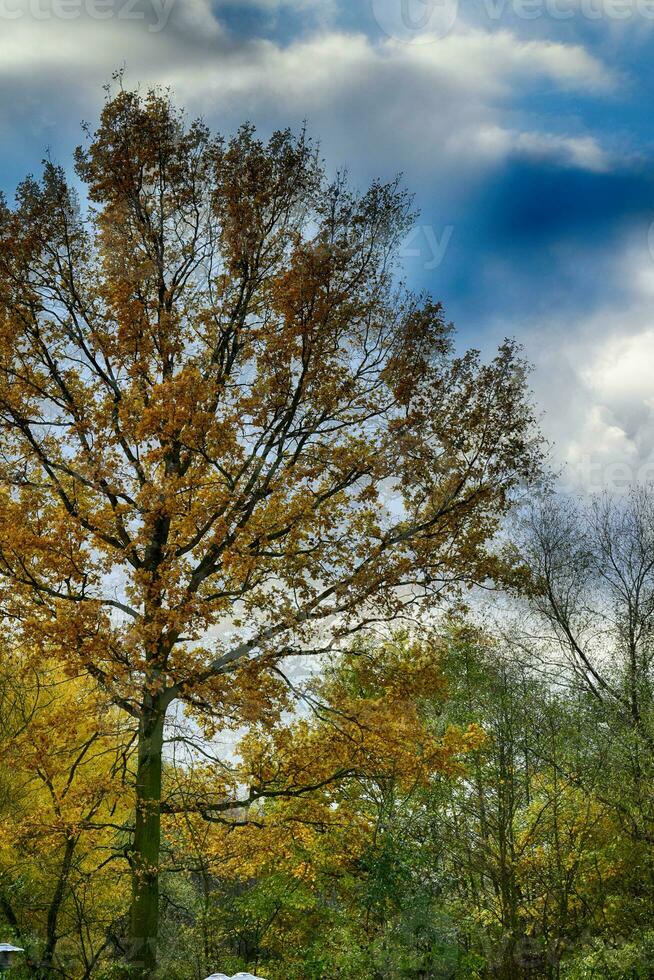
(62, 799)
(593, 572)
(526, 850)
(226, 438)
(307, 886)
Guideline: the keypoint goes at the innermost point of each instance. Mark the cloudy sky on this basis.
(523, 126)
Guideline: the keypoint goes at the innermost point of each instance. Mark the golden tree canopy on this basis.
(218, 411)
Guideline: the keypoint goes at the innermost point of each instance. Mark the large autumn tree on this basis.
(226, 436)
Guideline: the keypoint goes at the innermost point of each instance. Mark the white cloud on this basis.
(429, 108)
(409, 105)
(594, 380)
(408, 102)
(494, 143)
(479, 58)
(622, 369)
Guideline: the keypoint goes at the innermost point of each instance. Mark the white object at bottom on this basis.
(237, 976)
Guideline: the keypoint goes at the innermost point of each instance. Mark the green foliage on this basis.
(633, 960)
(532, 861)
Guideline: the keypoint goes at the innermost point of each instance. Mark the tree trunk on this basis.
(46, 966)
(144, 916)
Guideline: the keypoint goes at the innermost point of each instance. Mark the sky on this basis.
(522, 126)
